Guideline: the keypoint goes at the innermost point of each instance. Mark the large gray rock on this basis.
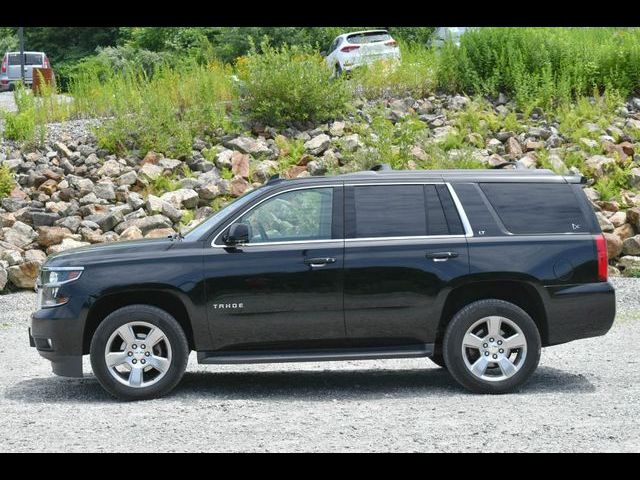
(4, 277)
(67, 244)
(631, 246)
(182, 198)
(145, 224)
(252, 146)
(110, 220)
(105, 191)
(598, 164)
(24, 275)
(158, 205)
(150, 171)
(20, 234)
(318, 144)
(110, 168)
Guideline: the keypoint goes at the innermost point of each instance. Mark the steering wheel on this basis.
(262, 232)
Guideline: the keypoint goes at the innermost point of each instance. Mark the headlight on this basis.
(50, 281)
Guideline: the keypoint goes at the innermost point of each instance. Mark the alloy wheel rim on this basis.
(494, 348)
(138, 354)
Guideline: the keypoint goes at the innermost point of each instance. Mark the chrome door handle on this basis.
(319, 262)
(441, 256)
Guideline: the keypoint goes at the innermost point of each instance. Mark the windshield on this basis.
(210, 222)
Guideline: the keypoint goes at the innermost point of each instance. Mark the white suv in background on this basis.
(351, 50)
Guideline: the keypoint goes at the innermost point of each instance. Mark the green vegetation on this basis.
(290, 84)
(542, 66)
(7, 181)
(413, 76)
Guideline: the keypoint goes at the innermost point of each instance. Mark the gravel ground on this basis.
(585, 396)
(7, 102)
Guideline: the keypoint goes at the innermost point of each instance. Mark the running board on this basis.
(319, 355)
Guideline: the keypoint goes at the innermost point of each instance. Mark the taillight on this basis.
(349, 48)
(391, 43)
(603, 264)
(4, 64)
(46, 62)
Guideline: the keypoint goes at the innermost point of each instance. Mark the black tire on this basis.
(173, 334)
(337, 71)
(464, 319)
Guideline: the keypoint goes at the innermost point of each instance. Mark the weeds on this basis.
(7, 181)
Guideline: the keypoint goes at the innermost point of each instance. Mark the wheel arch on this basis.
(525, 294)
(166, 300)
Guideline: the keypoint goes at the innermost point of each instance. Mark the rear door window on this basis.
(526, 208)
(375, 211)
(29, 59)
(33, 59)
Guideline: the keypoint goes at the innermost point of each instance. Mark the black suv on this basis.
(475, 269)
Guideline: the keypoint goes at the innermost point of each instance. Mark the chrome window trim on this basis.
(414, 237)
(463, 217)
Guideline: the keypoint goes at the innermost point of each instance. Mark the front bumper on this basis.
(579, 311)
(57, 335)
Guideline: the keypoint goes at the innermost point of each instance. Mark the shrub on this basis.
(290, 84)
(6, 181)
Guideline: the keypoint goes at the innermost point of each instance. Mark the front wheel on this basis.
(139, 352)
(491, 346)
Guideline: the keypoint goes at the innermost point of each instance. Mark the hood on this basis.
(109, 252)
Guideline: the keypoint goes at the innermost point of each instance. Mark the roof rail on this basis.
(381, 167)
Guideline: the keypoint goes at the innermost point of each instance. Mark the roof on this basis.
(452, 176)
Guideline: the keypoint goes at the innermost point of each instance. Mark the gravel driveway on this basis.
(585, 396)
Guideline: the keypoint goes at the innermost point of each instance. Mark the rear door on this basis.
(31, 60)
(373, 45)
(403, 244)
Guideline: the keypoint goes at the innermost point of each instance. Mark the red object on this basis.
(603, 264)
(391, 43)
(4, 64)
(47, 78)
(349, 48)
(46, 62)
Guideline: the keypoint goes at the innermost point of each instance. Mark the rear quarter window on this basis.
(526, 208)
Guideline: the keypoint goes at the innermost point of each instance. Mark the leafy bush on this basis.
(290, 84)
(6, 181)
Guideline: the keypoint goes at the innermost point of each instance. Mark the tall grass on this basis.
(542, 66)
(161, 112)
(415, 75)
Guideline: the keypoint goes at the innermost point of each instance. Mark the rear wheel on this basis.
(139, 352)
(491, 346)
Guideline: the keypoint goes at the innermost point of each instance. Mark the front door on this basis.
(283, 289)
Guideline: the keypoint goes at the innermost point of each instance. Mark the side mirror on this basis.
(238, 233)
